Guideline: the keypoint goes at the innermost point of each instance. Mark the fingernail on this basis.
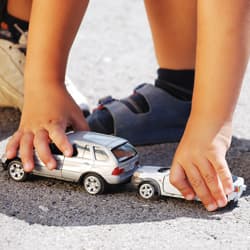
(189, 197)
(211, 207)
(27, 167)
(67, 152)
(51, 165)
(221, 203)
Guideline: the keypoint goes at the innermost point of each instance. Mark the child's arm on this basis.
(48, 108)
(199, 166)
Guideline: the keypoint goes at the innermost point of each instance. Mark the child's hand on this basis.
(46, 114)
(199, 166)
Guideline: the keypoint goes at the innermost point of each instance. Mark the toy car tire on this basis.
(93, 184)
(147, 190)
(16, 171)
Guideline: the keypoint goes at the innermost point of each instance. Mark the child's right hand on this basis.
(46, 114)
(199, 167)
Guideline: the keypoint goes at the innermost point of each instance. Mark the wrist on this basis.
(43, 88)
(42, 71)
(210, 118)
(200, 126)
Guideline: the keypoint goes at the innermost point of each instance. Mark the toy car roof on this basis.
(108, 141)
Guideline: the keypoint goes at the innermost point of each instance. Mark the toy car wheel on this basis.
(16, 171)
(147, 190)
(94, 184)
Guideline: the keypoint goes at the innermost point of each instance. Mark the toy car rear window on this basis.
(124, 152)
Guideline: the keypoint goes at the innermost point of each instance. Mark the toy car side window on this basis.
(75, 151)
(100, 155)
(54, 149)
(87, 152)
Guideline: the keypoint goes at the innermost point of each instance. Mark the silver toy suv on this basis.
(97, 160)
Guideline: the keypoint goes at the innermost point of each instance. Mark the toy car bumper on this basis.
(135, 180)
(118, 179)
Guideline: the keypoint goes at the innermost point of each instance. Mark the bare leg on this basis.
(20, 8)
(173, 26)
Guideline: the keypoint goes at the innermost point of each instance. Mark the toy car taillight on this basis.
(236, 189)
(117, 171)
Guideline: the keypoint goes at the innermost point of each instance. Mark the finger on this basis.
(200, 187)
(212, 181)
(13, 145)
(58, 136)
(26, 151)
(221, 167)
(179, 180)
(79, 122)
(41, 142)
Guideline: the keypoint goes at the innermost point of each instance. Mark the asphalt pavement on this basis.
(112, 54)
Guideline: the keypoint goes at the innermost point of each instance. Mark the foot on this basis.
(149, 116)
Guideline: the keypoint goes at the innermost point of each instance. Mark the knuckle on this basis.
(196, 182)
(209, 178)
(196, 154)
(220, 168)
(216, 192)
(227, 180)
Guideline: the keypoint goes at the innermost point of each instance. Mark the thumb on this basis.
(79, 122)
(179, 180)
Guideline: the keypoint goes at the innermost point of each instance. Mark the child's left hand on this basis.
(199, 166)
(48, 110)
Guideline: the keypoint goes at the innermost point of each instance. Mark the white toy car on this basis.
(154, 181)
(97, 160)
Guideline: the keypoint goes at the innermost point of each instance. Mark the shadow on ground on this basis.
(57, 203)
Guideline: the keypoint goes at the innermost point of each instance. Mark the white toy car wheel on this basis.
(147, 190)
(94, 184)
(16, 171)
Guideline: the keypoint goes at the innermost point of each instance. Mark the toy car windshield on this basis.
(124, 152)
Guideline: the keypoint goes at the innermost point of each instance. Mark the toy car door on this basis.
(41, 169)
(169, 189)
(81, 162)
(103, 162)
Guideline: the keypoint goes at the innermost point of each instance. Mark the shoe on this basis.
(12, 60)
(164, 121)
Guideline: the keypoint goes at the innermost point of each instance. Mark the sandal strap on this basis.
(165, 111)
